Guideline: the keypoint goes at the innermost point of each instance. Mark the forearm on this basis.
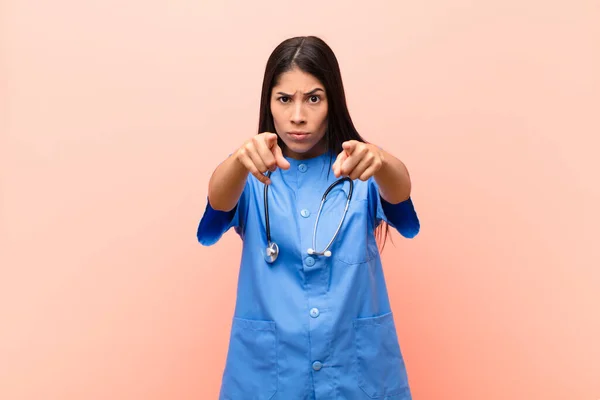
(227, 184)
(393, 179)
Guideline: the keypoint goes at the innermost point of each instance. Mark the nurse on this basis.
(309, 323)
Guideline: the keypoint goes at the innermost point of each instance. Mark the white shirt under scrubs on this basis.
(311, 327)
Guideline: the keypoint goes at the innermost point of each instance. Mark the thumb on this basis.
(349, 146)
(279, 158)
(337, 165)
(270, 139)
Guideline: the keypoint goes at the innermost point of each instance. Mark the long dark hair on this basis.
(313, 56)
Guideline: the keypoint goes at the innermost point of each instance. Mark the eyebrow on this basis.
(306, 94)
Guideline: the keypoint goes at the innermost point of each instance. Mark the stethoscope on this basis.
(272, 251)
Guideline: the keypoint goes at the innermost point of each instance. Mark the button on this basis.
(305, 213)
(317, 365)
(302, 167)
(310, 261)
(314, 312)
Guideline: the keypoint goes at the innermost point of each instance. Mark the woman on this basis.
(312, 317)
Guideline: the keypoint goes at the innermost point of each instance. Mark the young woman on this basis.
(311, 200)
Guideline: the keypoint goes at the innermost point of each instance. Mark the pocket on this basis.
(353, 245)
(379, 364)
(251, 365)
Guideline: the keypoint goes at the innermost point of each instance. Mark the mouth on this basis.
(298, 135)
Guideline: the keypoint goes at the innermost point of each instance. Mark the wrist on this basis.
(381, 154)
(237, 164)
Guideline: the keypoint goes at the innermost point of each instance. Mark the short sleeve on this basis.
(401, 216)
(214, 223)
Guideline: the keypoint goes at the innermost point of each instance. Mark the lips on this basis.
(297, 135)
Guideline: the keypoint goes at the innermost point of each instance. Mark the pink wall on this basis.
(108, 108)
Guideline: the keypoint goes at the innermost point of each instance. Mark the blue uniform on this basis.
(311, 327)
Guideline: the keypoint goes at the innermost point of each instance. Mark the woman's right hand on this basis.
(261, 154)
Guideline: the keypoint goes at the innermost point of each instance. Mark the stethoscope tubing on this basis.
(273, 249)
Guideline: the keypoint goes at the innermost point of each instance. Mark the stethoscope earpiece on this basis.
(326, 253)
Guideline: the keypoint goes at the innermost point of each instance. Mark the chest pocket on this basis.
(354, 243)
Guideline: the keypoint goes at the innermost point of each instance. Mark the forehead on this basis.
(297, 80)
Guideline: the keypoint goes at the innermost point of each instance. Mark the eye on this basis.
(284, 99)
(315, 99)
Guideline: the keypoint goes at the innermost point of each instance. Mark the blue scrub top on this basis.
(311, 327)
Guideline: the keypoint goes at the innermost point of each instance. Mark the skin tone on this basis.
(299, 108)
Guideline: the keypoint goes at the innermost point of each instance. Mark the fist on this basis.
(358, 160)
(261, 154)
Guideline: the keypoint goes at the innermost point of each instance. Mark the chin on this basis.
(299, 148)
(302, 152)
(302, 148)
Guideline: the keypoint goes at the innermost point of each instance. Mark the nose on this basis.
(298, 116)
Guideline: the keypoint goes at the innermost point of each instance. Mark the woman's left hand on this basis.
(358, 160)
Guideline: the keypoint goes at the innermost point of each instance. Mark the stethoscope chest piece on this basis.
(271, 252)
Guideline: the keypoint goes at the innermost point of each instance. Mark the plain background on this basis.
(115, 113)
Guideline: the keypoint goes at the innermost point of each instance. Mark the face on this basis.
(299, 108)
